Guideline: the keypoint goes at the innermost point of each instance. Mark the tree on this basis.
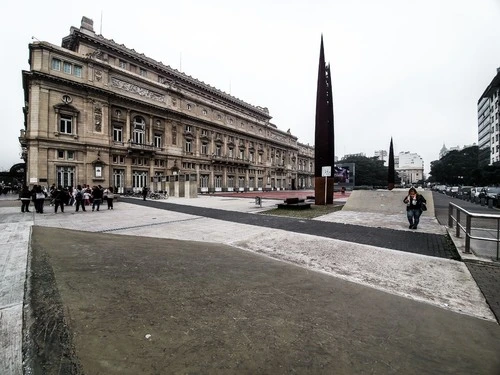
(457, 168)
(369, 171)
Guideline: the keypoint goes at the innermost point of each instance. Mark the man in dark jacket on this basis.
(97, 197)
(60, 196)
(144, 192)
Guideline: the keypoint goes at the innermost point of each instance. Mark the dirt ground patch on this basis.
(111, 304)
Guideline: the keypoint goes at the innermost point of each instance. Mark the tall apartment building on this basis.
(410, 167)
(488, 123)
(97, 112)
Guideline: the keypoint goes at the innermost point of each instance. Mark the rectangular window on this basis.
(67, 67)
(230, 153)
(65, 124)
(242, 154)
(204, 148)
(123, 64)
(117, 134)
(189, 129)
(218, 181)
(204, 181)
(60, 154)
(230, 182)
(188, 146)
(71, 155)
(158, 140)
(77, 70)
(218, 150)
(56, 64)
(143, 72)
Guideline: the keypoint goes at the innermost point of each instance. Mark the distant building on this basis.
(410, 167)
(346, 156)
(381, 155)
(444, 150)
(488, 132)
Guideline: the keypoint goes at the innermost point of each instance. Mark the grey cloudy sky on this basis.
(413, 70)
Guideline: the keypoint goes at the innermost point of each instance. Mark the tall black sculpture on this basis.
(391, 177)
(324, 147)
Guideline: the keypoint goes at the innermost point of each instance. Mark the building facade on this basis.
(488, 113)
(97, 112)
(409, 167)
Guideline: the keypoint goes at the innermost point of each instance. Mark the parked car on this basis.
(493, 193)
(464, 192)
(452, 192)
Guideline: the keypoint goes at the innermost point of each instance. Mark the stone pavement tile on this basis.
(11, 325)
(487, 278)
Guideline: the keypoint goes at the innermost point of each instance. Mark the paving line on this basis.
(147, 225)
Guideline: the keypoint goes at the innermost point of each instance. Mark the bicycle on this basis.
(153, 195)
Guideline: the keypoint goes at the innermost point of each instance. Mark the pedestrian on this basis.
(144, 192)
(25, 197)
(40, 196)
(96, 197)
(86, 196)
(109, 197)
(79, 198)
(60, 197)
(415, 204)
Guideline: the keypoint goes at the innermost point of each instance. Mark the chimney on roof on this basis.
(87, 24)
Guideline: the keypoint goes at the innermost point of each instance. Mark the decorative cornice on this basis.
(70, 42)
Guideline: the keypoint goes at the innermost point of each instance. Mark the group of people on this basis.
(61, 197)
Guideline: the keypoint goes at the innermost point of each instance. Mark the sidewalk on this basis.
(440, 282)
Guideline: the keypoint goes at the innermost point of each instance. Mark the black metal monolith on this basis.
(324, 147)
(391, 176)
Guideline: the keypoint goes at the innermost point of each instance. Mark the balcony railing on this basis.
(142, 147)
(230, 160)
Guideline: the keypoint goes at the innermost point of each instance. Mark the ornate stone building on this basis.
(97, 112)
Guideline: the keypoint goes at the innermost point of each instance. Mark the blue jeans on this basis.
(414, 216)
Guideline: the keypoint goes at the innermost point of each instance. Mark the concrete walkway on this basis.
(439, 282)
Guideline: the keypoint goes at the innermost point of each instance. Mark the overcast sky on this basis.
(411, 70)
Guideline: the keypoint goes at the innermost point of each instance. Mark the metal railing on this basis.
(468, 226)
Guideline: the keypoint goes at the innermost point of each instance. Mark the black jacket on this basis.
(414, 205)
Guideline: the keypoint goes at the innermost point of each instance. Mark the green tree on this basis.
(369, 171)
(457, 168)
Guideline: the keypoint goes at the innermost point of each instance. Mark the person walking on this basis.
(109, 197)
(40, 196)
(415, 204)
(25, 197)
(60, 197)
(96, 197)
(79, 198)
(144, 192)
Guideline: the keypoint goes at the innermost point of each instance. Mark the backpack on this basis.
(79, 195)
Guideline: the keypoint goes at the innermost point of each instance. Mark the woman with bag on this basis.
(415, 204)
